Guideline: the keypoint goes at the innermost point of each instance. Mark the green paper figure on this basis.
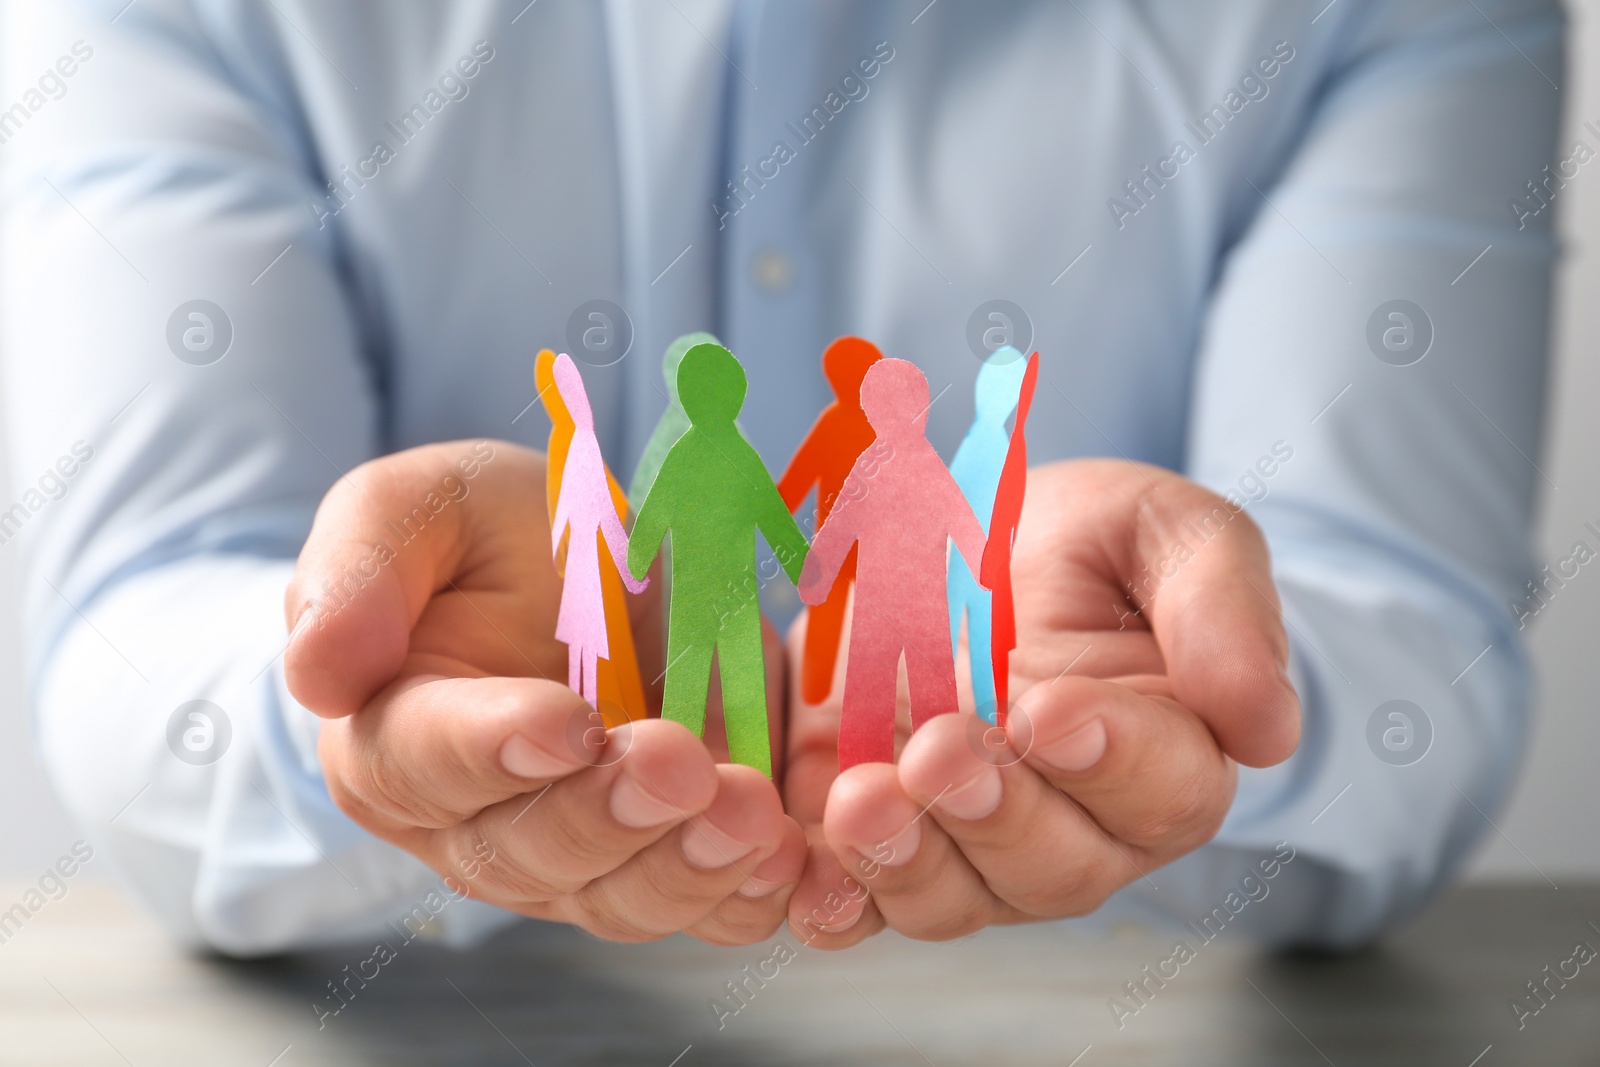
(673, 420)
(712, 493)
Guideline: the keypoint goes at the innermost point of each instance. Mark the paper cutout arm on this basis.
(649, 528)
(804, 471)
(965, 530)
(561, 520)
(617, 541)
(827, 554)
(1009, 493)
(783, 534)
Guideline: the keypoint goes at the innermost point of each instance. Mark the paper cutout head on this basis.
(999, 382)
(894, 394)
(711, 386)
(673, 360)
(845, 364)
(574, 397)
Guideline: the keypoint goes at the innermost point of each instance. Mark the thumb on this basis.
(381, 545)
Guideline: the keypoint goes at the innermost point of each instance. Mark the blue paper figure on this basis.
(977, 471)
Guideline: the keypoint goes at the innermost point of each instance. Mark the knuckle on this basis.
(600, 914)
(510, 877)
(964, 920)
(1077, 891)
(1190, 814)
(378, 782)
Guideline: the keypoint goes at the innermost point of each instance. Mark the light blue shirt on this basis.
(1202, 213)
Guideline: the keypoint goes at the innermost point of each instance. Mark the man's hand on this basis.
(1152, 658)
(422, 614)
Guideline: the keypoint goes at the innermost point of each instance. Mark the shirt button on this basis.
(772, 270)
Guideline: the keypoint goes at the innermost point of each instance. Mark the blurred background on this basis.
(1551, 825)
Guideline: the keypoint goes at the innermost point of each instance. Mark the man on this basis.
(251, 247)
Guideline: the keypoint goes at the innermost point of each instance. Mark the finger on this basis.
(1202, 573)
(389, 536)
(812, 745)
(831, 908)
(760, 904)
(434, 751)
(920, 881)
(681, 878)
(1030, 844)
(1144, 767)
(583, 826)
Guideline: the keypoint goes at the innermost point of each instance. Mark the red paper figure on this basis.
(995, 574)
(902, 507)
(824, 459)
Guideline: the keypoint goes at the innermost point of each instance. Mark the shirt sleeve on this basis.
(1391, 461)
(187, 373)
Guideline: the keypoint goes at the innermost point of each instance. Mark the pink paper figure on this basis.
(586, 509)
(902, 507)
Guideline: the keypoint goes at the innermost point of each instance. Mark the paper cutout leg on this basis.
(713, 493)
(742, 667)
(902, 508)
(866, 720)
(620, 686)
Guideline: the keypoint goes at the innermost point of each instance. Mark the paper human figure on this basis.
(586, 518)
(902, 507)
(672, 423)
(976, 469)
(823, 460)
(712, 494)
(995, 570)
(620, 688)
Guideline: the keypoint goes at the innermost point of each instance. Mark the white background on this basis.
(1553, 821)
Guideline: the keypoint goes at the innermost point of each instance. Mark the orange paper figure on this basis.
(902, 507)
(824, 459)
(620, 689)
(995, 572)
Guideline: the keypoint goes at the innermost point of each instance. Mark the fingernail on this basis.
(709, 848)
(841, 927)
(525, 759)
(755, 888)
(895, 851)
(1078, 751)
(977, 799)
(639, 808)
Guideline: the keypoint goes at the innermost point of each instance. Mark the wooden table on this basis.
(89, 981)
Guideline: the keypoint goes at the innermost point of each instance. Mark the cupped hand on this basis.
(1151, 660)
(422, 615)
